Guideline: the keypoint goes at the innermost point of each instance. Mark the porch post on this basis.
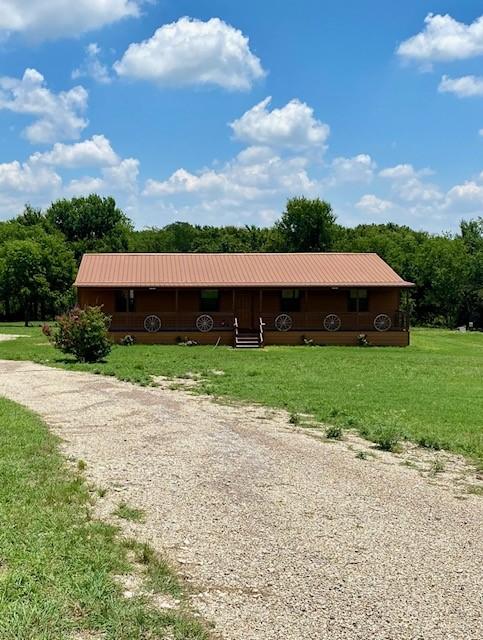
(407, 310)
(176, 299)
(260, 303)
(306, 306)
(357, 309)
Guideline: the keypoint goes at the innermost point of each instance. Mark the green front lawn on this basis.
(431, 391)
(56, 563)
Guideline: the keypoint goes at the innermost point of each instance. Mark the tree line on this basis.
(41, 250)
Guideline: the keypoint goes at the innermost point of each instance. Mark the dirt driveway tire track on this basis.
(281, 535)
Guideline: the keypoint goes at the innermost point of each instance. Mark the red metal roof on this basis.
(236, 270)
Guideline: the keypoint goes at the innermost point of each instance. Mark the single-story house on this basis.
(247, 299)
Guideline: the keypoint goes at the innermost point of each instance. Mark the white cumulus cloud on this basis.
(444, 38)
(193, 52)
(372, 204)
(57, 116)
(22, 177)
(293, 126)
(254, 174)
(49, 19)
(408, 183)
(97, 151)
(123, 175)
(463, 87)
(92, 67)
(470, 193)
(399, 171)
(359, 168)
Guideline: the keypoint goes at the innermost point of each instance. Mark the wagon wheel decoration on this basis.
(332, 322)
(382, 322)
(283, 322)
(152, 323)
(204, 323)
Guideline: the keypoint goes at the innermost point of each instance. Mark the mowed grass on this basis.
(56, 563)
(430, 392)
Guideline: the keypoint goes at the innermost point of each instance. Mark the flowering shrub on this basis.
(47, 330)
(83, 333)
(127, 341)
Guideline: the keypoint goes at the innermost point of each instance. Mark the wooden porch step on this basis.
(247, 341)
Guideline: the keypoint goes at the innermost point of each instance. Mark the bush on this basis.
(334, 432)
(83, 333)
(127, 341)
(388, 438)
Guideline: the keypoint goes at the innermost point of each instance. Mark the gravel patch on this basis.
(279, 533)
(6, 337)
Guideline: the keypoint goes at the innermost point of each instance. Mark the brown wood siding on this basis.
(149, 301)
(381, 300)
(97, 297)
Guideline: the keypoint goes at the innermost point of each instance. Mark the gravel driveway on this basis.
(282, 535)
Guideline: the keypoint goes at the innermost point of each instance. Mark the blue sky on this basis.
(216, 112)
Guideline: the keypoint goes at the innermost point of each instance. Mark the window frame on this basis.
(290, 303)
(128, 298)
(209, 304)
(354, 301)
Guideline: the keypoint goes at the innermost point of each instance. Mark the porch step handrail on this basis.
(261, 325)
(235, 326)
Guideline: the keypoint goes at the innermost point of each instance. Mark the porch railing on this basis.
(300, 321)
(170, 321)
(349, 321)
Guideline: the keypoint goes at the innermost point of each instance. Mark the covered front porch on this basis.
(272, 315)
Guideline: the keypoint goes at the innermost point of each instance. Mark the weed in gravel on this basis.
(81, 465)
(361, 455)
(126, 512)
(475, 489)
(437, 466)
(160, 578)
(429, 442)
(409, 463)
(295, 418)
(388, 438)
(334, 432)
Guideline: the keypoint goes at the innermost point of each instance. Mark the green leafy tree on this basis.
(23, 274)
(92, 223)
(444, 267)
(60, 271)
(306, 225)
(472, 237)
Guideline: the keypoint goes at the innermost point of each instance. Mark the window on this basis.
(290, 300)
(124, 300)
(209, 300)
(358, 300)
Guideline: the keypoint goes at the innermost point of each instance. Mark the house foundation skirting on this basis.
(347, 338)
